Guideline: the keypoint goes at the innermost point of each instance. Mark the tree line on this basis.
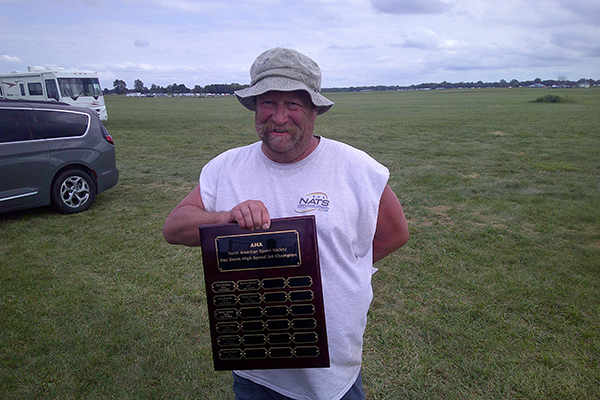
(538, 82)
(120, 87)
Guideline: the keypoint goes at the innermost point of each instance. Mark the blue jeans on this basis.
(245, 389)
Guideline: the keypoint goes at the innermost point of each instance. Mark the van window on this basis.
(51, 89)
(35, 89)
(15, 125)
(60, 124)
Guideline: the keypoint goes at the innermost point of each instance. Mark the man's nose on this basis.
(280, 115)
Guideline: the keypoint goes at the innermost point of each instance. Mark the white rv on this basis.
(75, 87)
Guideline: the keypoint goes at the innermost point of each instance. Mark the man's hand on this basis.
(251, 215)
(181, 226)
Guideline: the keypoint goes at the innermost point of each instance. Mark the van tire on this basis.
(73, 191)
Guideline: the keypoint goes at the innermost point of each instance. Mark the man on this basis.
(359, 218)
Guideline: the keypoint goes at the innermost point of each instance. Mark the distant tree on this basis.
(175, 88)
(120, 87)
(217, 88)
(138, 86)
(183, 89)
(223, 88)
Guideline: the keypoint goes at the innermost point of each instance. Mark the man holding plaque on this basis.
(293, 172)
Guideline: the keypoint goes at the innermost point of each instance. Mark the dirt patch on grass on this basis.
(442, 214)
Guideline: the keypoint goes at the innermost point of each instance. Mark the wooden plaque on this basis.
(264, 295)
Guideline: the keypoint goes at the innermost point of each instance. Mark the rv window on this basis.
(60, 124)
(51, 89)
(22, 89)
(76, 87)
(92, 87)
(15, 125)
(35, 89)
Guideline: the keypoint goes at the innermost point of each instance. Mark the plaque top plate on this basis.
(258, 250)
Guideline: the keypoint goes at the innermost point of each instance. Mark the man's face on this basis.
(285, 123)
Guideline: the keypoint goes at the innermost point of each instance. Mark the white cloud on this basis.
(587, 10)
(426, 39)
(356, 42)
(182, 5)
(10, 59)
(410, 6)
(141, 42)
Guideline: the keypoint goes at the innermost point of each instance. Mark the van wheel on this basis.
(73, 191)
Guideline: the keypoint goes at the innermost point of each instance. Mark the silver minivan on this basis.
(53, 154)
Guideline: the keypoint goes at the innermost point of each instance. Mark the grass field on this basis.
(496, 295)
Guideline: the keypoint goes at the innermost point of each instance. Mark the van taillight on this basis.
(106, 135)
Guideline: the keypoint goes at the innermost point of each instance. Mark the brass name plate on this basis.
(264, 295)
(258, 250)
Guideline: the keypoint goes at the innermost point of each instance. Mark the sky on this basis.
(355, 42)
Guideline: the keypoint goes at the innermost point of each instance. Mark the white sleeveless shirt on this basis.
(341, 186)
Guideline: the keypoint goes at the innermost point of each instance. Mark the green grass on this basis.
(496, 295)
(553, 98)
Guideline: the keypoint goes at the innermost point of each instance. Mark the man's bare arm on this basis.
(392, 229)
(181, 226)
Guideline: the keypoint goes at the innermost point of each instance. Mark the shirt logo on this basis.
(317, 201)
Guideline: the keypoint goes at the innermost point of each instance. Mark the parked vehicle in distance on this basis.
(53, 154)
(71, 86)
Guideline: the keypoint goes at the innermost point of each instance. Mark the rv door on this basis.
(52, 89)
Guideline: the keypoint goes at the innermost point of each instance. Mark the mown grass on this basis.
(496, 296)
